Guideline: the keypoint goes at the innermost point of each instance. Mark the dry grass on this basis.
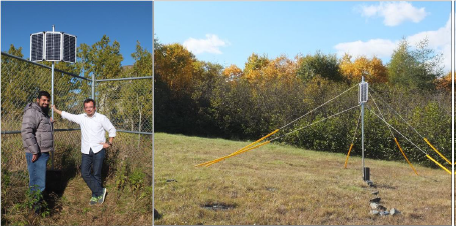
(73, 208)
(278, 184)
(126, 204)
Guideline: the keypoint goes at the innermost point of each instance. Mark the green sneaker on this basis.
(93, 201)
(101, 198)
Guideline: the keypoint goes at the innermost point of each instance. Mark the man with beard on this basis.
(38, 140)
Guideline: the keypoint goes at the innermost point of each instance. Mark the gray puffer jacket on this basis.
(37, 131)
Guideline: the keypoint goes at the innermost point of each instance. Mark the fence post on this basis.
(93, 86)
(139, 135)
(52, 113)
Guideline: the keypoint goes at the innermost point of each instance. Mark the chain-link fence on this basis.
(126, 102)
(21, 81)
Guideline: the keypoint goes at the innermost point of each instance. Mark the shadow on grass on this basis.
(57, 180)
(157, 216)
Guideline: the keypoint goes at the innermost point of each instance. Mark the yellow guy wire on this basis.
(240, 150)
(346, 160)
(395, 139)
(353, 141)
(270, 134)
(231, 155)
(436, 150)
(399, 146)
(438, 164)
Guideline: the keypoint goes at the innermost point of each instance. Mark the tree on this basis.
(444, 83)
(414, 68)
(325, 66)
(138, 93)
(174, 82)
(232, 72)
(373, 70)
(280, 68)
(253, 66)
(173, 64)
(103, 60)
(19, 85)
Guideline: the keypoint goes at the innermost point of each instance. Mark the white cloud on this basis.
(394, 13)
(211, 44)
(374, 47)
(439, 40)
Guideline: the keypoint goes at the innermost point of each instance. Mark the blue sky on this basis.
(126, 22)
(229, 32)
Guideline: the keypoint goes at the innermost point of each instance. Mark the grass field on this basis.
(279, 184)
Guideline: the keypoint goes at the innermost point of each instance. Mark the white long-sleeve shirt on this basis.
(92, 130)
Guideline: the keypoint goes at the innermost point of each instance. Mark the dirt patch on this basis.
(271, 189)
(219, 206)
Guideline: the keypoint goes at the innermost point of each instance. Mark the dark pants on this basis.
(95, 161)
(37, 171)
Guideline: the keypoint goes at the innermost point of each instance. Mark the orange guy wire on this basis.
(346, 160)
(240, 150)
(257, 146)
(438, 164)
(399, 146)
(436, 150)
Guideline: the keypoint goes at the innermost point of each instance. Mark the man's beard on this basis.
(45, 110)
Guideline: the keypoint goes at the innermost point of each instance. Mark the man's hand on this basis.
(35, 157)
(56, 110)
(105, 145)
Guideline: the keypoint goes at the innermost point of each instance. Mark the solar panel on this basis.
(53, 46)
(36, 46)
(363, 92)
(69, 48)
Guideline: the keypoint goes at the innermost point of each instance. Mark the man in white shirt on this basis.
(93, 126)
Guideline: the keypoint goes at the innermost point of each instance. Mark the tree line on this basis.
(201, 98)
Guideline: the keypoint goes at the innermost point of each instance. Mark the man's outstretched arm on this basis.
(56, 110)
(66, 115)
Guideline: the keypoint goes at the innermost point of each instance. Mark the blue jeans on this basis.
(37, 171)
(93, 180)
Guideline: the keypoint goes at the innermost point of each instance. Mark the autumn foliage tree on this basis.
(444, 83)
(280, 68)
(373, 69)
(254, 65)
(173, 65)
(232, 72)
(181, 83)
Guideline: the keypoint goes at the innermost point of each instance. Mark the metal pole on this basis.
(93, 86)
(362, 130)
(52, 90)
(52, 84)
(139, 135)
(52, 110)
